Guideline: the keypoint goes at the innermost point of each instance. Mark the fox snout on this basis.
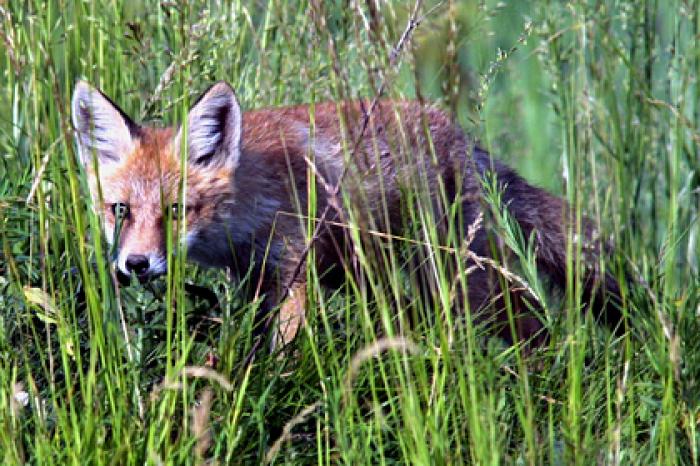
(138, 264)
(139, 238)
(138, 235)
(145, 266)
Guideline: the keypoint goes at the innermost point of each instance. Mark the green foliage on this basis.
(595, 100)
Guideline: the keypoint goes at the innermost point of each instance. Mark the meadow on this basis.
(595, 100)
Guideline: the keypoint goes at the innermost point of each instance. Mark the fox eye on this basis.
(175, 210)
(120, 210)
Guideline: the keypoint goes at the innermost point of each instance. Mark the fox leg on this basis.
(290, 317)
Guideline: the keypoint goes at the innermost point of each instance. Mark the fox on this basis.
(247, 178)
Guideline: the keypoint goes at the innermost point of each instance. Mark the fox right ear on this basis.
(214, 127)
(101, 127)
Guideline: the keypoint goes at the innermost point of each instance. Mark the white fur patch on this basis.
(121, 261)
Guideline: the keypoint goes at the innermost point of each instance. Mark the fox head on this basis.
(135, 173)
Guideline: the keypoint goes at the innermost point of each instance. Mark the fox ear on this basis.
(101, 127)
(214, 127)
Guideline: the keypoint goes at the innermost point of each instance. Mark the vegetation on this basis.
(596, 100)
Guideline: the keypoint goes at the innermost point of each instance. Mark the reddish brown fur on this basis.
(247, 216)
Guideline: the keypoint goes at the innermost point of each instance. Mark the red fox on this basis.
(245, 172)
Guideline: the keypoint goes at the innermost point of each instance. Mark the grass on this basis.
(596, 101)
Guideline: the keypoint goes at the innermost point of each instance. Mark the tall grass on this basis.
(596, 101)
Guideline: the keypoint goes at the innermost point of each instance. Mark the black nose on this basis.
(137, 263)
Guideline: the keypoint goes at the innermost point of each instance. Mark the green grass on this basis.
(597, 101)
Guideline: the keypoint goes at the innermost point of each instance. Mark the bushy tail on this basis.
(544, 217)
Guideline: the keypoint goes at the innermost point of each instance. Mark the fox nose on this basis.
(137, 263)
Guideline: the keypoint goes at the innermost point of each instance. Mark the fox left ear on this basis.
(214, 127)
(101, 127)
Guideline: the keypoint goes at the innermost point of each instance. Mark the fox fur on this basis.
(247, 178)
